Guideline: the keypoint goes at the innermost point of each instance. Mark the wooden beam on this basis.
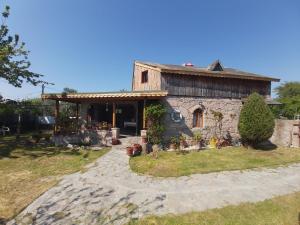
(56, 116)
(114, 115)
(77, 115)
(144, 115)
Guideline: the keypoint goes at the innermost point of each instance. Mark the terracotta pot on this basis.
(129, 151)
(172, 146)
(115, 141)
(137, 149)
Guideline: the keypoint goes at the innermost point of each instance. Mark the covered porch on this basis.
(122, 111)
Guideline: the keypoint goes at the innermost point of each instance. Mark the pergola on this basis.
(104, 97)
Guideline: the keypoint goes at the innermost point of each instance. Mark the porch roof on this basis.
(105, 96)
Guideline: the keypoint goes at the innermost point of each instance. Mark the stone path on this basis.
(109, 193)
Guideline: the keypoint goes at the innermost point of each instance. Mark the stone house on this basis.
(191, 94)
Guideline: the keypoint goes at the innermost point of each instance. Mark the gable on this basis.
(215, 66)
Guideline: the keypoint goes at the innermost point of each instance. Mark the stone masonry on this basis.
(230, 108)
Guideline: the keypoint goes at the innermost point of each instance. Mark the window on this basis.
(145, 76)
(198, 118)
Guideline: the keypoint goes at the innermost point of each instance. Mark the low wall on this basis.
(283, 133)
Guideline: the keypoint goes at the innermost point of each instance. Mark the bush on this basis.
(256, 123)
(154, 114)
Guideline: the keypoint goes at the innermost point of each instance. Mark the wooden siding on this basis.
(154, 79)
(182, 85)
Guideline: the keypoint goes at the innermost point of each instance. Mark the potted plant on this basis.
(173, 143)
(115, 141)
(213, 142)
(182, 140)
(129, 150)
(137, 149)
(197, 140)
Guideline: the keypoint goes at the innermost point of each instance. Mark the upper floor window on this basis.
(145, 76)
(198, 118)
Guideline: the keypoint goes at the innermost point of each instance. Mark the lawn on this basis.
(283, 210)
(26, 171)
(172, 164)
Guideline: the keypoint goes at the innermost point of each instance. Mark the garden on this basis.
(182, 155)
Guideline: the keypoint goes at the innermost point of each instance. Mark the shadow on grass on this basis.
(265, 146)
(11, 148)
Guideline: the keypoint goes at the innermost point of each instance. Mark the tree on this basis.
(289, 95)
(69, 90)
(256, 122)
(14, 63)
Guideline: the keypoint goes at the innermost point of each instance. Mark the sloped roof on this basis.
(211, 71)
(130, 95)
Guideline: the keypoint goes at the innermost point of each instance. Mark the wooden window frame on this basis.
(198, 118)
(144, 77)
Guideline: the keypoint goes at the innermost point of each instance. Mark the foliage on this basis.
(218, 118)
(154, 114)
(182, 138)
(197, 136)
(67, 91)
(174, 140)
(14, 63)
(256, 123)
(289, 95)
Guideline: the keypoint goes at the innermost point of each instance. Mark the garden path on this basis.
(109, 193)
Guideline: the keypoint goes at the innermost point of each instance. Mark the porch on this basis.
(121, 111)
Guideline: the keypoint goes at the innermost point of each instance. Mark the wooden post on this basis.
(144, 115)
(114, 115)
(77, 115)
(136, 118)
(56, 116)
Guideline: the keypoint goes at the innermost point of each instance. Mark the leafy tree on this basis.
(289, 95)
(256, 122)
(69, 90)
(14, 63)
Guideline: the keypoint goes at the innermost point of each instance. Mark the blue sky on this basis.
(91, 45)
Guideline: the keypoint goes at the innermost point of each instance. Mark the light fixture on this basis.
(106, 107)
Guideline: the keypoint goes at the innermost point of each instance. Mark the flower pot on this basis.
(172, 147)
(129, 151)
(137, 149)
(115, 141)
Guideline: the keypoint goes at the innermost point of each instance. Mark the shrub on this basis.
(154, 113)
(256, 123)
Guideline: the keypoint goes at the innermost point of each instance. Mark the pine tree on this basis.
(256, 123)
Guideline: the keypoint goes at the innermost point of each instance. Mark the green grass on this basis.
(28, 170)
(283, 210)
(172, 164)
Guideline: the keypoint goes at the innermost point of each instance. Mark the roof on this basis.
(215, 69)
(105, 96)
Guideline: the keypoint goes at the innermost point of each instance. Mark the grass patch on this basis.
(26, 171)
(281, 210)
(172, 164)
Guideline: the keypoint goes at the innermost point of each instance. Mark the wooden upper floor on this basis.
(188, 80)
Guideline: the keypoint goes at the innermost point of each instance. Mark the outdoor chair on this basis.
(4, 130)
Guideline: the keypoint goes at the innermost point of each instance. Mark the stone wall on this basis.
(283, 133)
(230, 108)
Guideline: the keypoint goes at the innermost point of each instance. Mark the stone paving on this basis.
(109, 193)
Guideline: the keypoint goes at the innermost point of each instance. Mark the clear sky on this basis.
(90, 45)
